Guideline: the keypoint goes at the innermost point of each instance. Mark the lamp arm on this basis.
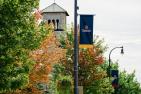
(110, 54)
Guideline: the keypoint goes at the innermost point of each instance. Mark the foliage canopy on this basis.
(18, 36)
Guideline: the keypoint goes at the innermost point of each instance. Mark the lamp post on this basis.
(122, 52)
(109, 68)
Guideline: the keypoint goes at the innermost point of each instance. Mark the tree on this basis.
(93, 70)
(91, 74)
(128, 84)
(127, 81)
(19, 35)
(48, 54)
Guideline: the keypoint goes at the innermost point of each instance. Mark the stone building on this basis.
(56, 15)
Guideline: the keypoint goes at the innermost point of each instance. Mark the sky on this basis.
(118, 22)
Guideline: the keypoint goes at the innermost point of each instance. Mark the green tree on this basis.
(19, 35)
(128, 84)
(127, 81)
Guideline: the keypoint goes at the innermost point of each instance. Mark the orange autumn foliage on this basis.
(89, 60)
(37, 14)
(93, 55)
(46, 56)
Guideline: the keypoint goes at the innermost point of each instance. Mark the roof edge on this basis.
(55, 12)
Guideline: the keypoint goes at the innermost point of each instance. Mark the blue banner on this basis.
(114, 73)
(86, 29)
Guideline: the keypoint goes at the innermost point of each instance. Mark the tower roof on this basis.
(54, 8)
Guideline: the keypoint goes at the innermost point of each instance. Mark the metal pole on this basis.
(75, 50)
(110, 60)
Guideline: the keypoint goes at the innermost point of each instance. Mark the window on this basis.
(53, 21)
(49, 21)
(57, 21)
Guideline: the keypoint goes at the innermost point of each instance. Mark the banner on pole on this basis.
(86, 31)
(114, 74)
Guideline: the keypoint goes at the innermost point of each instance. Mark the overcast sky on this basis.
(118, 22)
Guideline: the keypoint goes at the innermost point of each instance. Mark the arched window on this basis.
(57, 21)
(49, 21)
(53, 21)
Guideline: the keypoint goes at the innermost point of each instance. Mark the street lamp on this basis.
(109, 68)
(122, 52)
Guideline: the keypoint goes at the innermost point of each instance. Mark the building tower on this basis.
(56, 15)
